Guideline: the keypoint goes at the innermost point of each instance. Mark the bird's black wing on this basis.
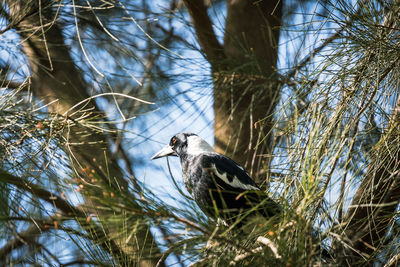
(228, 174)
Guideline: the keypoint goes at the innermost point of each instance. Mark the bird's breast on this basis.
(187, 182)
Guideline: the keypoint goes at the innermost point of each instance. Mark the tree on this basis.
(304, 95)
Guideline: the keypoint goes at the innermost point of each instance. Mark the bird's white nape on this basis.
(196, 145)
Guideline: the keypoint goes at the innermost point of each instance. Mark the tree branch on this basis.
(204, 30)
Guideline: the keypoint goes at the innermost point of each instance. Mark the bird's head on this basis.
(184, 144)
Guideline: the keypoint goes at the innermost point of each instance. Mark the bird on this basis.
(222, 189)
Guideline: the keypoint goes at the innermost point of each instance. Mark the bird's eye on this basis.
(173, 140)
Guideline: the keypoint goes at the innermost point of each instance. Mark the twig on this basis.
(267, 242)
(264, 241)
(394, 261)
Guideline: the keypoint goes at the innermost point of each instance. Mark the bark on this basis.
(243, 69)
(56, 78)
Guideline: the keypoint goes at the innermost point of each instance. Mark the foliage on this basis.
(69, 194)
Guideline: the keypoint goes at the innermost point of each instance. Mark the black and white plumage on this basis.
(220, 187)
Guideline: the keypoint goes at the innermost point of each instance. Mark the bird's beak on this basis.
(165, 152)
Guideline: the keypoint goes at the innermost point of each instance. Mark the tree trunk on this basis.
(56, 78)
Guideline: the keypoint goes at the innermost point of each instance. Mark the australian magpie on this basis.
(221, 188)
